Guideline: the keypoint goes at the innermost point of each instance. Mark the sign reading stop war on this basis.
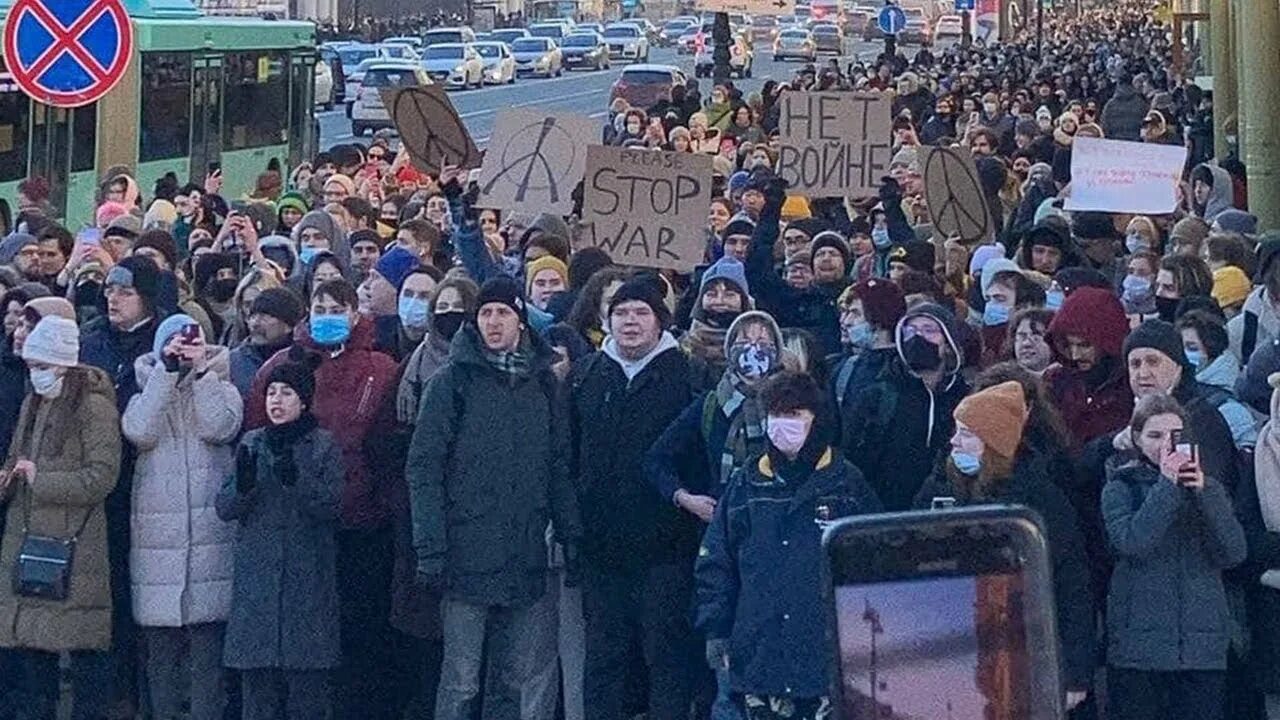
(834, 144)
(1125, 177)
(646, 207)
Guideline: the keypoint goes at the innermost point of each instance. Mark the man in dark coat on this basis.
(487, 469)
(1122, 115)
(637, 546)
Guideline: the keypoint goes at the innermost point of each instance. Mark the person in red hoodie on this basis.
(352, 383)
(1089, 384)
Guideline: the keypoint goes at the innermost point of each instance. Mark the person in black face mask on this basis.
(722, 297)
(902, 422)
(216, 278)
(1179, 277)
(272, 317)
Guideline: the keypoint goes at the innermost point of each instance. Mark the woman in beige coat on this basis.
(61, 465)
(180, 558)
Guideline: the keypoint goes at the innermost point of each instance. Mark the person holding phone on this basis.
(182, 422)
(1173, 532)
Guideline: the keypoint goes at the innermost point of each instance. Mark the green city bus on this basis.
(199, 91)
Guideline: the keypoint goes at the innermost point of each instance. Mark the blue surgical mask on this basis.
(1195, 357)
(1053, 299)
(966, 463)
(861, 336)
(414, 312)
(1136, 289)
(330, 329)
(307, 254)
(1136, 243)
(880, 238)
(995, 314)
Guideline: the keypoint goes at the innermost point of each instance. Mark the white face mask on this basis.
(47, 382)
(788, 433)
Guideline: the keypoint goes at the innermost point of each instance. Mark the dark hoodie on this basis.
(1123, 114)
(1097, 401)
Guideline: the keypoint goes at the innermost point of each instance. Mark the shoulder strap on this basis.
(1250, 340)
(26, 517)
(843, 378)
(709, 409)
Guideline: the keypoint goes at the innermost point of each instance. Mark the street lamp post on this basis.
(720, 35)
(1039, 28)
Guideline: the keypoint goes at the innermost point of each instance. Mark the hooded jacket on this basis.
(895, 428)
(350, 388)
(1099, 401)
(181, 553)
(1260, 305)
(488, 469)
(1221, 195)
(1123, 114)
(320, 220)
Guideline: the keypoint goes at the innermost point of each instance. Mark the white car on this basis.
(324, 85)
(949, 27)
(443, 35)
(537, 56)
(410, 40)
(367, 111)
(399, 51)
(499, 65)
(627, 41)
(453, 65)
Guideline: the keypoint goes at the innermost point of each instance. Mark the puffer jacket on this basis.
(74, 441)
(180, 558)
(1167, 607)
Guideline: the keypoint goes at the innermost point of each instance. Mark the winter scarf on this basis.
(430, 355)
(705, 342)
(280, 440)
(746, 428)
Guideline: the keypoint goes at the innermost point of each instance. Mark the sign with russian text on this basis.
(1125, 177)
(834, 144)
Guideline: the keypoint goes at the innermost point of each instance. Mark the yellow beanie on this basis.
(997, 415)
(796, 207)
(546, 262)
(1230, 286)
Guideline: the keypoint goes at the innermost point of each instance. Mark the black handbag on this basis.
(43, 569)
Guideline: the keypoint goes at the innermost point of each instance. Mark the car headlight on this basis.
(542, 62)
(460, 69)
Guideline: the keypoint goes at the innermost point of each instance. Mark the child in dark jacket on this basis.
(763, 619)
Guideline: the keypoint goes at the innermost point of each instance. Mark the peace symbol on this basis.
(431, 129)
(518, 165)
(957, 205)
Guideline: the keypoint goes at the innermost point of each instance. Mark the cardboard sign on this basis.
(430, 128)
(953, 192)
(1125, 177)
(834, 144)
(748, 7)
(647, 207)
(534, 161)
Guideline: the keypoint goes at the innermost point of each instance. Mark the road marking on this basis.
(537, 101)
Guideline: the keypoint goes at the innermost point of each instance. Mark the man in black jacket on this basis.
(637, 546)
(487, 470)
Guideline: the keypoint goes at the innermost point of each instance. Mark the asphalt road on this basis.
(582, 92)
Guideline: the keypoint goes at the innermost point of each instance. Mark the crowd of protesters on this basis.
(353, 447)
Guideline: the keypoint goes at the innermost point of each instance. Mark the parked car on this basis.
(410, 40)
(795, 43)
(595, 27)
(646, 26)
(554, 30)
(916, 31)
(627, 42)
(672, 30)
(645, 85)
(828, 38)
(537, 56)
(499, 66)
(324, 85)
(508, 35)
(763, 28)
(949, 28)
(688, 43)
(351, 56)
(585, 51)
(855, 21)
(447, 35)
(367, 110)
(454, 65)
(740, 58)
(399, 51)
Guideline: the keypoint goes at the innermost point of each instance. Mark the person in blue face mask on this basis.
(1005, 290)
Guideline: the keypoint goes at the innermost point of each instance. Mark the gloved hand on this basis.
(717, 653)
(246, 470)
(572, 566)
(890, 191)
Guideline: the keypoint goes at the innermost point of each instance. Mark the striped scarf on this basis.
(740, 403)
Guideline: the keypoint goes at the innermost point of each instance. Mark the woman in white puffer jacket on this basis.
(182, 423)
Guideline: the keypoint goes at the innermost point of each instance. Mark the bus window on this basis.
(166, 106)
(255, 109)
(15, 133)
(84, 137)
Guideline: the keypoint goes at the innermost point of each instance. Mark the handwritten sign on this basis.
(834, 144)
(647, 207)
(534, 161)
(1125, 177)
(749, 7)
(430, 128)
(953, 193)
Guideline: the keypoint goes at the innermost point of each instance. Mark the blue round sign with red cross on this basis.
(67, 53)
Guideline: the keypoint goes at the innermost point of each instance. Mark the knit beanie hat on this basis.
(883, 303)
(1191, 230)
(795, 207)
(339, 179)
(1093, 225)
(647, 289)
(54, 340)
(365, 235)
(1230, 286)
(1268, 253)
(750, 316)
(738, 181)
(13, 244)
(504, 290)
(810, 226)
(1237, 221)
(803, 258)
(831, 239)
(396, 265)
(296, 375)
(546, 262)
(1157, 335)
(729, 269)
(292, 200)
(997, 415)
(994, 267)
(280, 303)
(915, 254)
(169, 327)
(160, 241)
(139, 273)
(51, 306)
(739, 224)
(982, 254)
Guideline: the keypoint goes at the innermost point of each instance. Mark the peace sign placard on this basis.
(535, 160)
(430, 128)
(954, 195)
